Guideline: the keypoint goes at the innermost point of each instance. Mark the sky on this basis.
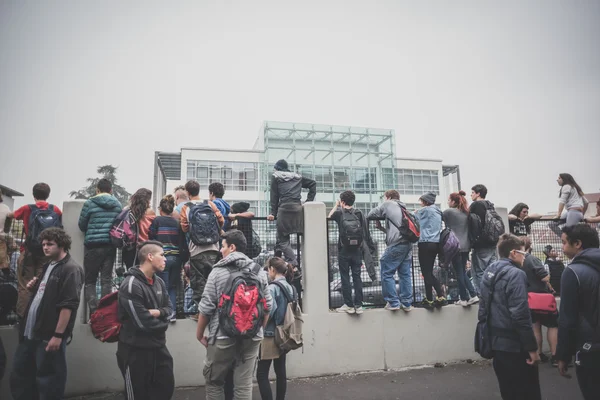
(509, 90)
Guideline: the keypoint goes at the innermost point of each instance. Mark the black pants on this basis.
(129, 257)
(427, 254)
(588, 375)
(517, 379)
(351, 262)
(98, 260)
(148, 373)
(262, 377)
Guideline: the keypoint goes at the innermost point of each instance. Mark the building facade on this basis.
(336, 157)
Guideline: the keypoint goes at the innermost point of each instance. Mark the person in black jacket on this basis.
(144, 310)
(513, 341)
(40, 366)
(578, 323)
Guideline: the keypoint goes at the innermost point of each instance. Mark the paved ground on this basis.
(453, 382)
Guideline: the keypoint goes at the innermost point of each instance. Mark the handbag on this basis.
(542, 303)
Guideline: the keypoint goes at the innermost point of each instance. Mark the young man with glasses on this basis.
(514, 344)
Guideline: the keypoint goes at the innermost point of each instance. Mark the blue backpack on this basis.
(204, 227)
(39, 220)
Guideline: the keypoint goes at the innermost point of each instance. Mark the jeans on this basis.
(262, 377)
(573, 218)
(482, 258)
(397, 257)
(200, 267)
(347, 262)
(427, 254)
(98, 260)
(464, 283)
(221, 358)
(588, 373)
(30, 265)
(37, 373)
(172, 276)
(517, 379)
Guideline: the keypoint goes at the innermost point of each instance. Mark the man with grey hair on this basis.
(144, 310)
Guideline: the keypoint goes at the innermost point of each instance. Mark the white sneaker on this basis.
(359, 310)
(406, 308)
(346, 309)
(473, 300)
(463, 303)
(390, 308)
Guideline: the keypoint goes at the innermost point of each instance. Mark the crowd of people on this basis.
(211, 244)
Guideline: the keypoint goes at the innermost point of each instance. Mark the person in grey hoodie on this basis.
(397, 255)
(95, 220)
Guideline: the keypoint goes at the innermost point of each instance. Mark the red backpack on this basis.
(242, 307)
(105, 321)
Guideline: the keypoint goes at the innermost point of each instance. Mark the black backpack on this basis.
(39, 220)
(204, 227)
(351, 229)
(593, 317)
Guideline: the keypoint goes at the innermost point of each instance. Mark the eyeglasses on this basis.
(521, 252)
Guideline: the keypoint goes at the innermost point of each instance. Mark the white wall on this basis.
(378, 339)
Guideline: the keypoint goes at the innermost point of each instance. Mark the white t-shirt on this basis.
(35, 304)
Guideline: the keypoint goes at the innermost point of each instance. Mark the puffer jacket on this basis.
(580, 284)
(510, 317)
(286, 188)
(96, 219)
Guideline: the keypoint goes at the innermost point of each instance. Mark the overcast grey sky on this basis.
(510, 90)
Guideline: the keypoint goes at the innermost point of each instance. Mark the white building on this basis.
(337, 157)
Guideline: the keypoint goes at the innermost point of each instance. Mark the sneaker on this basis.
(194, 317)
(173, 319)
(554, 361)
(473, 300)
(389, 307)
(440, 302)
(428, 304)
(463, 303)
(543, 358)
(346, 309)
(406, 308)
(359, 310)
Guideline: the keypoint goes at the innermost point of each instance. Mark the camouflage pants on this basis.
(29, 266)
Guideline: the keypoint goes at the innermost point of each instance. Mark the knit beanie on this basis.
(428, 198)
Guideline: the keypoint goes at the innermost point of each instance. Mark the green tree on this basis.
(106, 172)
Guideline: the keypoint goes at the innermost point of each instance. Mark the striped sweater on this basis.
(166, 230)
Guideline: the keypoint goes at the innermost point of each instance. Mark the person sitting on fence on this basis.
(353, 231)
(519, 220)
(555, 268)
(95, 220)
(596, 218)
(572, 204)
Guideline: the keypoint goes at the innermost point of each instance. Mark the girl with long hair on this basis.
(457, 219)
(139, 205)
(570, 199)
(278, 270)
(520, 220)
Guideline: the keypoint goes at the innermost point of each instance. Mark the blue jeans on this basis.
(397, 257)
(38, 374)
(464, 283)
(482, 258)
(172, 275)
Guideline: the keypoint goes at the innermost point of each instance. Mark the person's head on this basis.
(391, 195)
(428, 199)
(521, 211)
(527, 243)
(511, 247)
(41, 191)
(152, 257)
(277, 267)
(240, 207)
(281, 165)
(140, 202)
(233, 241)
(577, 238)
(347, 198)
(192, 188)
(181, 195)
(459, 201)
(216, 190)
(567, 179)
(55, 242)
(478, 192)
(167, 204)
(103, 186)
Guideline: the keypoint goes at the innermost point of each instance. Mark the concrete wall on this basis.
(334, 343)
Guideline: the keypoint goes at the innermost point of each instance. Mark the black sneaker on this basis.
(429, 305)
(554, 361)
(543, 358)
(440, 302)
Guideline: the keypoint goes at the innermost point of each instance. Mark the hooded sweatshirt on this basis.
(137, 295)
(286, 188)
(390, 210)
(97, 217)
(580, 284)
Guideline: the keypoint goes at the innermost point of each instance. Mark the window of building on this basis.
(233, 175)
(417, 181)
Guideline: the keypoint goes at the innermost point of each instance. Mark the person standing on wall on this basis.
(430, 220)
(397, 256)
(36, 217)
(144, 309)
(95, 220)
(579, 320)
(40, 367)
(456, 218)
(513, 342)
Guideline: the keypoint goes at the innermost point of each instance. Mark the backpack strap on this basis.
(285, 291)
